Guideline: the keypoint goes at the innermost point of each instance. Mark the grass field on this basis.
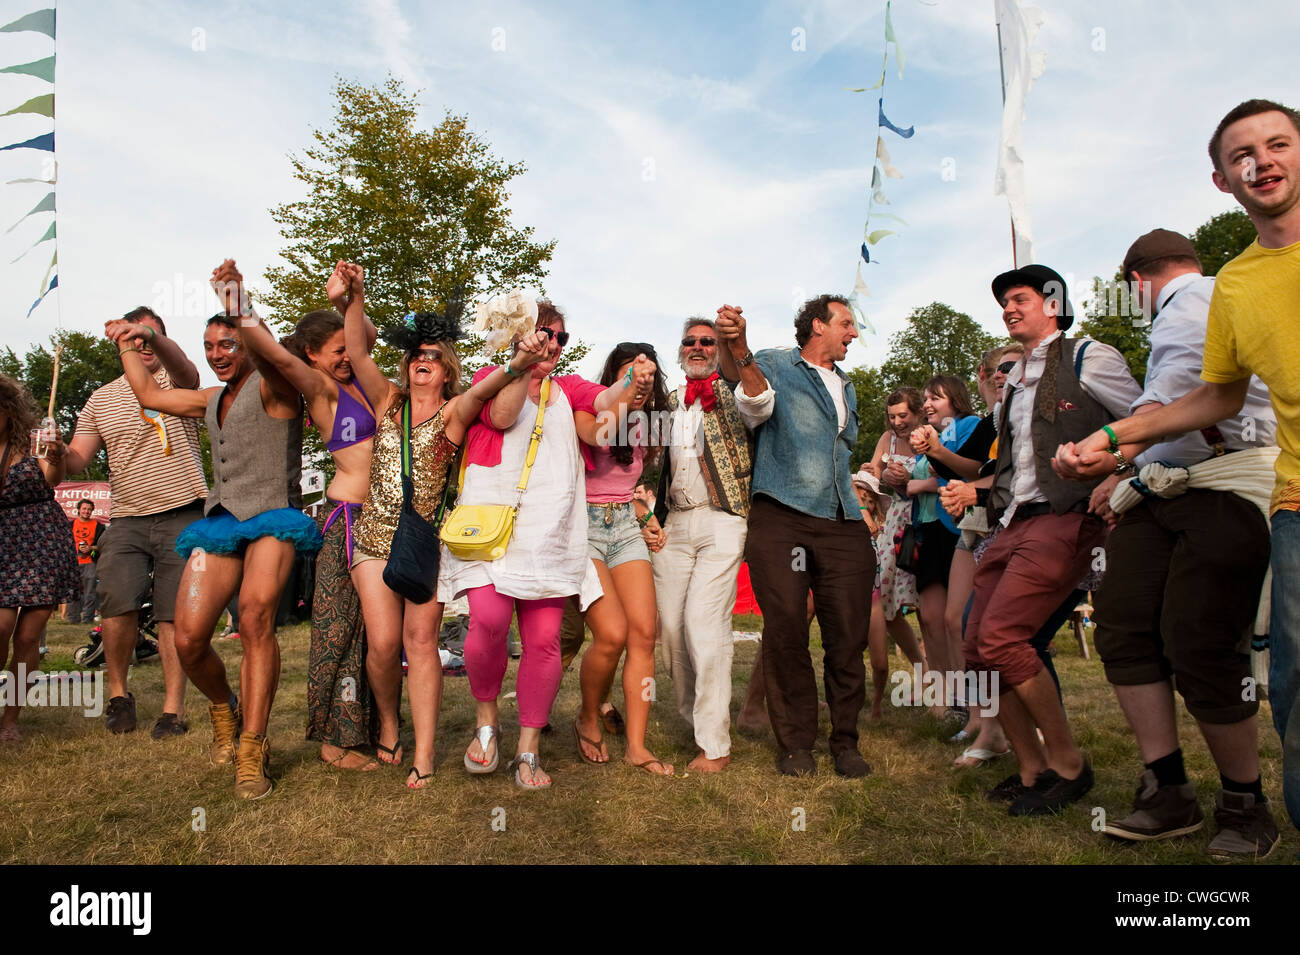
(72, 793)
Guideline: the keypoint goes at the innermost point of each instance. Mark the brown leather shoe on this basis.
(225, 732)
(252, 767)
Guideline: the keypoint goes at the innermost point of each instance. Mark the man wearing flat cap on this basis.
(1185, 567)
(1063, 386)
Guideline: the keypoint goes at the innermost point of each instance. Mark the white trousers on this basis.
(695, 588)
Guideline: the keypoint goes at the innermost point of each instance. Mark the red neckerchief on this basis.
(701, 388)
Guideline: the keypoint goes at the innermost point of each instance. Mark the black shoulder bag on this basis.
(412, 568)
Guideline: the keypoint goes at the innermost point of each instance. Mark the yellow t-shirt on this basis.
(1254, 328)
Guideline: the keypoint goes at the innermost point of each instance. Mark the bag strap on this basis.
(537, 437)
(1078, 356)
(406, 439)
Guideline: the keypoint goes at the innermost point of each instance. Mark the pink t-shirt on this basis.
(611, 482)
(483, 442)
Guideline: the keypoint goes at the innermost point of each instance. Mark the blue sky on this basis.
(682, 155)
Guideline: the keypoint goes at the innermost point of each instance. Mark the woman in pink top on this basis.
(625, 617)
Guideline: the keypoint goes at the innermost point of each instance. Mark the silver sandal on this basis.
(529, 759)
(485, 735)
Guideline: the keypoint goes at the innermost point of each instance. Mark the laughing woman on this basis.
(37, 568)
(626, 616)
(546, 560)
(439, 416)
(314, 360)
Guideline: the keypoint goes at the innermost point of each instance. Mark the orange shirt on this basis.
(83, 532)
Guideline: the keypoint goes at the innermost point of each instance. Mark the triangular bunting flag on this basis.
(44, 69)
(45, 205)
(891, 218)
(860, 315)
(882, 121)
(879, 197)
(49, 234)
(54, 260)
(42, 21)
(891, 38)
(48, 182)
(42, 105)
(860, 285)
(866, 254)
(45, 142)
(53, 285)
(883, 155)
(878, 235)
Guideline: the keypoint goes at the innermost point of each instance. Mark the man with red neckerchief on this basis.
(703, 505)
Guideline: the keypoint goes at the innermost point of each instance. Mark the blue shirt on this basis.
(802, 456)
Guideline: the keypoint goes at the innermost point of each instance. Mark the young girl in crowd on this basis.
(626, 616)
(39, 570)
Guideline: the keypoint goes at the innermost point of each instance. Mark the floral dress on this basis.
(897, 587)
(38, 562)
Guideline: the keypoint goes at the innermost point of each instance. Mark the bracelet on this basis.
(123, 351)
(152, 334)
(1122, 464)
(645, 518)
(1110, 433)
(511, 372)
(746, 361)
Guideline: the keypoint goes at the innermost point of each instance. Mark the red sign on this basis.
(71, 493)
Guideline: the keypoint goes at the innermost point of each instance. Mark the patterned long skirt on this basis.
(339, 703)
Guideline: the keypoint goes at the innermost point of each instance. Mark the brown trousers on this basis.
(789, 553)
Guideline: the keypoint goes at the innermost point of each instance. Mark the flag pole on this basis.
(1002, 73)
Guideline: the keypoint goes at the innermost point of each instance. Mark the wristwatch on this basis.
(1122, 464)
(746, 361)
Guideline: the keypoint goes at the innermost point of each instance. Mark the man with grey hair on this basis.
(703, 505)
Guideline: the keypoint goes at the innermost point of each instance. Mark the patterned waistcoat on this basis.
(728, 459)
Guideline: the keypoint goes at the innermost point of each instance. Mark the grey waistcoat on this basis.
(256, 459)
(1063, 412)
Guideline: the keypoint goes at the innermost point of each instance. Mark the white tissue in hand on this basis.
(505, 317)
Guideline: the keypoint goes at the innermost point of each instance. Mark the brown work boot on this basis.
(225, 732)
(252, 763)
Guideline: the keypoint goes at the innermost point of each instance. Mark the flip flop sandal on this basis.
(370, 765)
(982, 756)
(529, 759)
(421, 779)
(393, 759)
(595, 744)
(485, 735)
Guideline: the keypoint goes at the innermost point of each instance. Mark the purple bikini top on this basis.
(353, 422)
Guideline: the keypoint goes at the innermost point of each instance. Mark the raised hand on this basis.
(730, 326)
(924, 439)
(119, 331)
(338, 287)
(533, 347)
(228, 284)
(643, 374)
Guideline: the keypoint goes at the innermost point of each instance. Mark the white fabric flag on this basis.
(1018, 27)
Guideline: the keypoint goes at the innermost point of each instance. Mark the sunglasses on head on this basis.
(706, 341)
(1006, 367)
(561, 338)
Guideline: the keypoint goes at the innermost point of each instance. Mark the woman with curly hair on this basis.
(438, 417)
(38, 566)
(625, 617)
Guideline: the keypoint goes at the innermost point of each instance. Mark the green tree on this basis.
(938, 340)
(869, 386)
(424, 211)
(1223, 238)
(1113, 317)
(87, 362)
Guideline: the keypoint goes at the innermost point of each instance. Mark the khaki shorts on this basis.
(134, 547)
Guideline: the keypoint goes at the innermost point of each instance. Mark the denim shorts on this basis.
(613, 535)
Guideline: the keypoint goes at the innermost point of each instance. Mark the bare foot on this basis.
(877, 711)
(340, 758)
(702, 764)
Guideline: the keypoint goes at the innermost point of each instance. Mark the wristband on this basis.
(644, 519)
(152, 334)
(511, 372)
(1110, 433)
(123, 351)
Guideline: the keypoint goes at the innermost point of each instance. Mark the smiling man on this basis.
(1063, 386)
(251, 528)
(1253, 328)
(806, 530)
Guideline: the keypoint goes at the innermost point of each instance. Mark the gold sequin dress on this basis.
(432, 454)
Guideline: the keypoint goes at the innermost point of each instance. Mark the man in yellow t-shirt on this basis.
(1254, 327)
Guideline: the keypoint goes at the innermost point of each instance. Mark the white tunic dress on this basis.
(547, 556)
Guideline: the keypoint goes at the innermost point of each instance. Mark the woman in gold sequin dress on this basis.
(440, 415)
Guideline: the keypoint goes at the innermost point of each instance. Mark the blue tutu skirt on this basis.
(223, 533)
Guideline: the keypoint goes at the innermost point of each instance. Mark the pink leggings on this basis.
(539, 637)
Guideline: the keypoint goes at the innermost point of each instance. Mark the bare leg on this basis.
(636, 588)
(382, 611)
(27, 652)
(933, 605)
(173, 676)
(207, 584)
(608, 623)
(267, 564)
(420, 638)
(1039, 698)
(119, 635)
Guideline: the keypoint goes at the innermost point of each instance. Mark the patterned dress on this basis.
(38, 562)
(897, 587)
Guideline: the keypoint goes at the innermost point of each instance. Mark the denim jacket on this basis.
(800, 459)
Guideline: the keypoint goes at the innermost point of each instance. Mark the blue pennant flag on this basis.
(866, 254)
(884, 121)
(54, 283)
(45, 142)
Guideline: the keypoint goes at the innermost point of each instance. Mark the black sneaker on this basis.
(1051, 793)
(121, 714)
(1009, 790)
(1246, 827)
(1159, 812)
(798, 762)
(169, 724)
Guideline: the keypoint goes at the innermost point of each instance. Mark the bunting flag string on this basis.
(882, 168)
(38, 21)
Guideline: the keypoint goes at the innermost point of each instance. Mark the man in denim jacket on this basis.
(806, 531)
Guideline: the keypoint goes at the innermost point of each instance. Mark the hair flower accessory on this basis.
(426, 328)
(506, 317)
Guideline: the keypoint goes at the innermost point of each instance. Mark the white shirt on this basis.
(1104, 376)
(1174, 369)
(836, 388)
(689, 489)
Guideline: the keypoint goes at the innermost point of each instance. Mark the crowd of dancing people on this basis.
(1156, 497)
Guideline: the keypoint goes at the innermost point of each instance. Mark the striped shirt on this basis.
(143, 479)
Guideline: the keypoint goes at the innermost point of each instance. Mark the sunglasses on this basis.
(1006, 367)
(431, 355)
(561, 338)
(706, 341)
